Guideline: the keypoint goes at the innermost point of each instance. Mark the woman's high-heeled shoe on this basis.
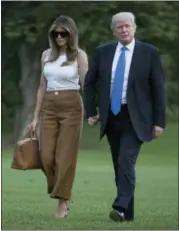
(62, 209)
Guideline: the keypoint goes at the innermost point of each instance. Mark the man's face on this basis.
(124, 30)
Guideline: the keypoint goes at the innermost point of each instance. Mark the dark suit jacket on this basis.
(145, 92)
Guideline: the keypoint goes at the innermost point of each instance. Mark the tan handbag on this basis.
(26, 154)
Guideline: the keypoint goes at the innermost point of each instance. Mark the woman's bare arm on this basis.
(82, 66)
(41, 90)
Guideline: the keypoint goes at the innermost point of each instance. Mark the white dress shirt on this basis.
(128, 55)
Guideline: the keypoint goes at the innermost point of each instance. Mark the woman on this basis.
(59, 105)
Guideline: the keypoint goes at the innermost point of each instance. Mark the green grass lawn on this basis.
(25, 204)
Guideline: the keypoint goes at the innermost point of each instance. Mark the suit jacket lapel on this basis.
(134, 62)
(110, 58)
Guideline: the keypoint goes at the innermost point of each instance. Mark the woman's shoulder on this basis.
(81, 52)
(46, 54)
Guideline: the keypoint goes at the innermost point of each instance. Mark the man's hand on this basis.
(93, 120)
(157, 131)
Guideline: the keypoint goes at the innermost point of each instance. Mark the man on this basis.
(131, 88)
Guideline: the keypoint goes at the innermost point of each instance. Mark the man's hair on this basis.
(123, 15)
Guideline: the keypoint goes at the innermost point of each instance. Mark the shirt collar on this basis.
(130, 46)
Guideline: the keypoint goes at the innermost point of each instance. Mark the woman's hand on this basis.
(32, 126)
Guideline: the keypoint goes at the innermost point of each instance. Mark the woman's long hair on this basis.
(69, 25)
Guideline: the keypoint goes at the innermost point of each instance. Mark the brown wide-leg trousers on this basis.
(61, 125)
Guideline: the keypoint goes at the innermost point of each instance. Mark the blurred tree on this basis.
(25, 25)
(25, 35)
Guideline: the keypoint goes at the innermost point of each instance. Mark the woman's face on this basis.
(61, 36)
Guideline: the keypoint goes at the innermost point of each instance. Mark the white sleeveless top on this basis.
(61, 77)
